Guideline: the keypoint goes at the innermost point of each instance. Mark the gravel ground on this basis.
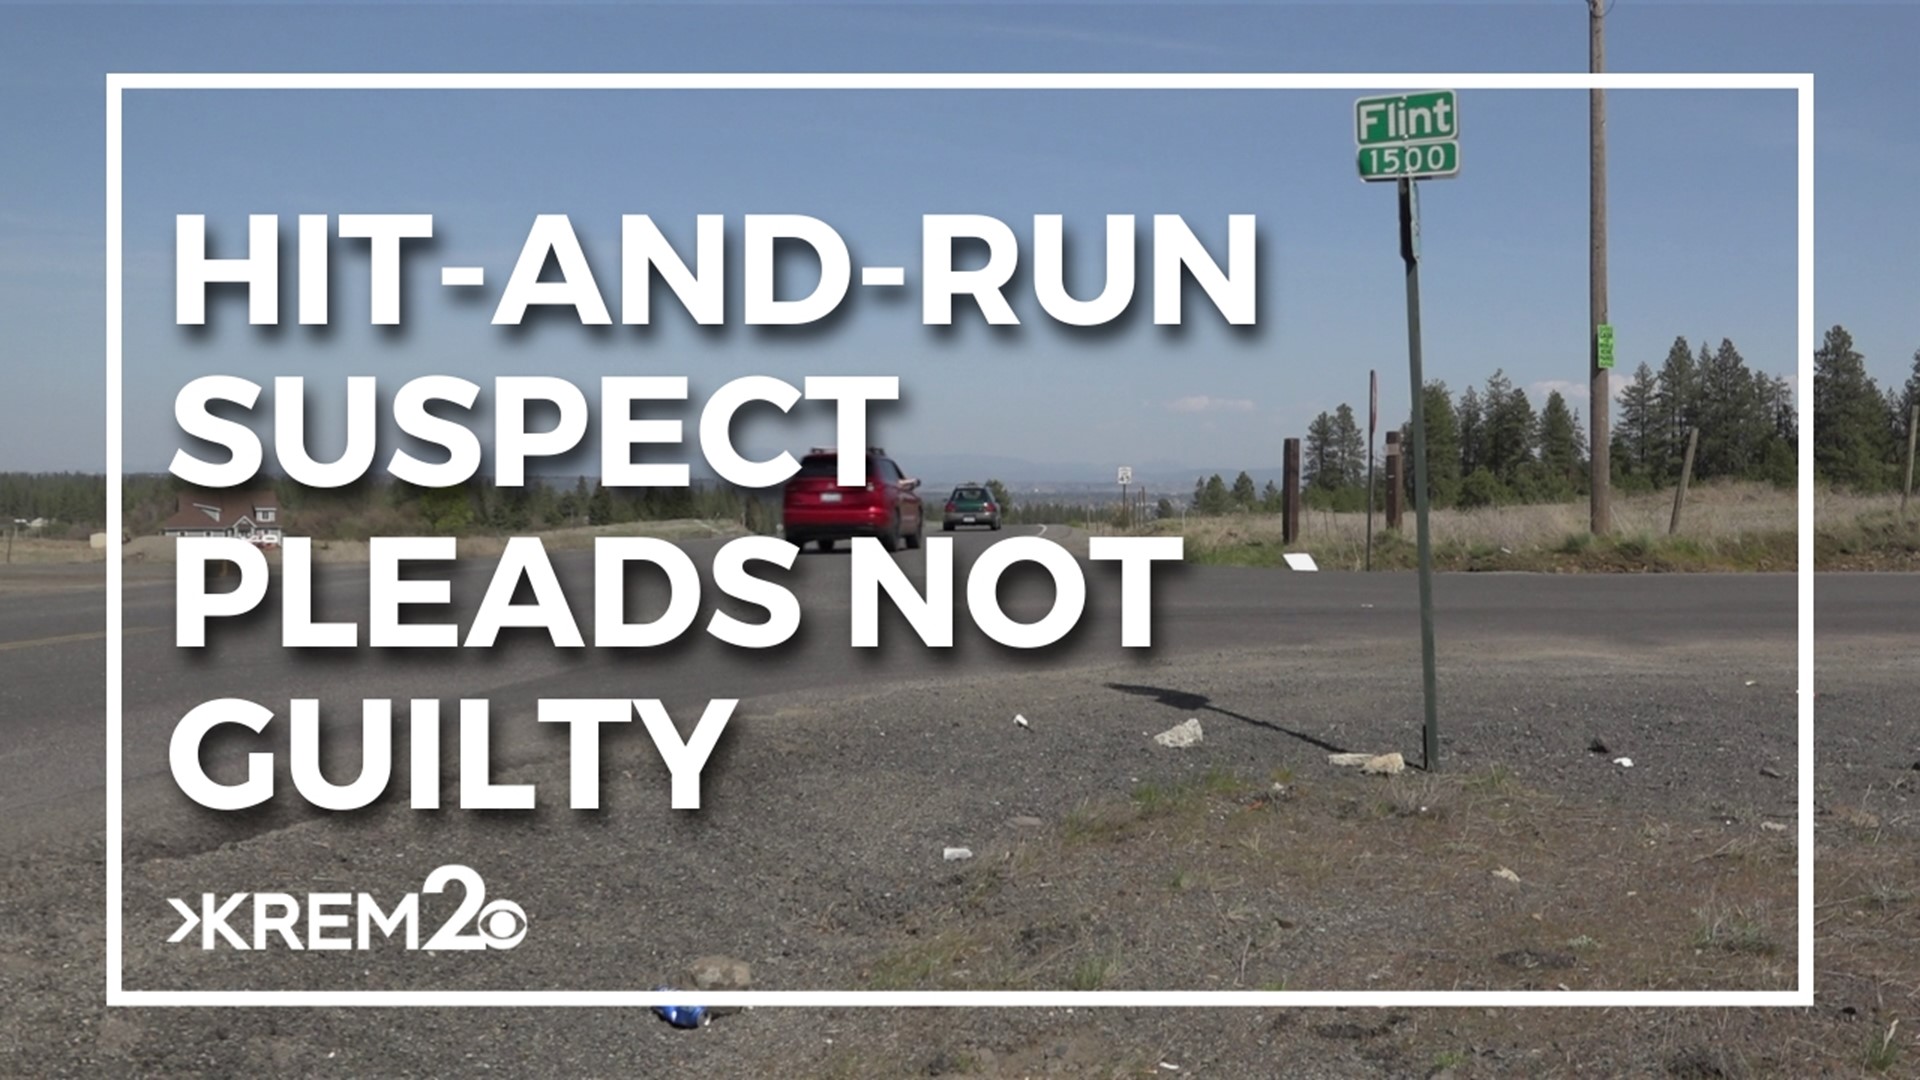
(819, 883)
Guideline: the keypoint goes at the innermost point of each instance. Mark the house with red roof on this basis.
(249, 515)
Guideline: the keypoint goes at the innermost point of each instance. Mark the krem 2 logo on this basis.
(338, 920)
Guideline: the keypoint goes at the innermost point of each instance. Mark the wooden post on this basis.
(1686, 473)
(1906, 490)
(1393, 480)
(1290, 494)
(1373, 424)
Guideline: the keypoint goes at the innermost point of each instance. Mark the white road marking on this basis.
(1300, 560)
(68, 639)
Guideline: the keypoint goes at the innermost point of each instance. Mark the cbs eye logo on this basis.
(503, 924)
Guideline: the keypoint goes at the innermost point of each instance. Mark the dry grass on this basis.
(1865, 532)
(1836, 508)
(1733, 526)
(1741, 526)
(28, 550)
(1713, 511)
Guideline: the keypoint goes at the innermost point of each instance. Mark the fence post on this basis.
(1686, 472)
(1906, 490)
(1393, 479)
(1290, 495)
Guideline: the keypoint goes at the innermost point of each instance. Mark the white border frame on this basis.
(118, 84)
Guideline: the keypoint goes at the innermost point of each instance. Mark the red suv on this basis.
(817, 509)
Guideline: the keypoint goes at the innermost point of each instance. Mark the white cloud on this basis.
(1572, 391)
(1202, 403)
(1576, 393)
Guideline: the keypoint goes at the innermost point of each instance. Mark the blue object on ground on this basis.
(681, 1016)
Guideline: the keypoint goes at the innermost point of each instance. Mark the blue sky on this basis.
(1702, 202)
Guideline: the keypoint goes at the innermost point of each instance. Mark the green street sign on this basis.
(1430, 116)
(1420, 162)
(1407, 136)
(1603, 342)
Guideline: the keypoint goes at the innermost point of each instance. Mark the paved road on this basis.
(52, 649)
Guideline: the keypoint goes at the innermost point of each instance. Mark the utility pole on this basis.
(1600, 393)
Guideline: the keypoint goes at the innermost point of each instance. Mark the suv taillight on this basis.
(951, 508)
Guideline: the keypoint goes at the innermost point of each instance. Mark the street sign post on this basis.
(1407, 136)
(1126, 503)
(1409, 226)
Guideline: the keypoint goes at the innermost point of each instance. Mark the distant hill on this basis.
(1021, 474)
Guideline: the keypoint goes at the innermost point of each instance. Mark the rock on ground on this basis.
(1181, 735)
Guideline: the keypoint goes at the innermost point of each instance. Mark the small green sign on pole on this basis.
(1603, 340)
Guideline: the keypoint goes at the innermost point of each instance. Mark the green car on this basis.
(971, 504)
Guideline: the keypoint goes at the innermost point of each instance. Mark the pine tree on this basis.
(542, 507)
(1696, 412)
(1214, 499)
(1786, 420)
(1472, 429)
(1559, 448)
(1849, 429)
(1673, 409)
(447, 511)
(1443, 447)
(1243, 491)
(1349, 448)
(1509, 427)
(1319, 467)
(1732, 423)
(1900, 408)
(1779, 455)
(1634, 436)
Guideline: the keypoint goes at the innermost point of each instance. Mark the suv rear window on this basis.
(970, 493)
(827, 467)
